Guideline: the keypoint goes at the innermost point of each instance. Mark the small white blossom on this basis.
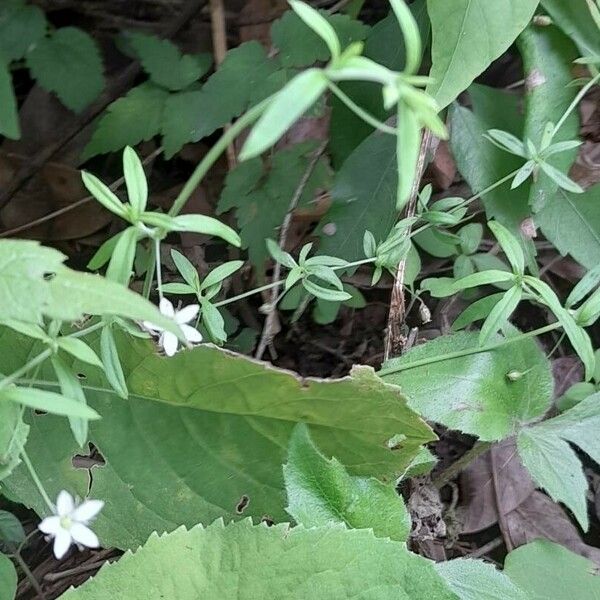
(70, 523)
(168, 341)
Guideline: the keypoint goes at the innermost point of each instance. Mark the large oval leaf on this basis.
(203, 430)
(242, 562)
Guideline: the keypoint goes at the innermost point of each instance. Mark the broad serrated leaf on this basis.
(299, 46)
(329, 563)
(320, 492)
(191, 116)
(69, 64)
(21, 26)
(134, 118)
(8, 578)
(476, 580)
(468, 35)
(165, 64)
(473, 393)
(13, 435)
(9, 116)
(545, 570)
(572, 223)
(220, 434)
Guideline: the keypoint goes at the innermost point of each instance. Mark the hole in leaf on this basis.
(242, 504)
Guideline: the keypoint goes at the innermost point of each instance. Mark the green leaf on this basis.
(164, 63)
(135, 179)
(480, 309)
(500, 313)
(8, 578)
(24, 290)
(510, 246)
(68, 63)
(411, 35)
(300, 46)
(572, 223)
(70, 387)
(476, 580)
(279, 255)
(239, 82)
(111, 362)
(48, 402)
(408, 145)
(221, 272)
(574, 19)
(473, 393)
(9, 116)
(13, 435)
(468, 35)
(313, 19)
(79, 349)
(284, 110)
(555, 467)
(186, 269)
(134, 118)
(507, 141)
(363, 198)
(560, 179)
(230, 418)
(104, 195)
(207, 226)
(545, 570)
(11, 531)
(21, 26)
(122, 259)
(481, 163)
(329, 563)
(320, 492)
(547, 59)
(213, 321)
(325, 293)
(487, 277)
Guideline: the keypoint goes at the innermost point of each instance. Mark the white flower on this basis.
(69, 523)
(168, 341)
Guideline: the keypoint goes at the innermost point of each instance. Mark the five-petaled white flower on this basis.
(168, 341)
(70, 523)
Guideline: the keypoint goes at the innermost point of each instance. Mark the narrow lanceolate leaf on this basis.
(232, 419)
(500, 313)
(561, 180)
(104, 194)
(121, 262)
(80, 350)
(135, 179)
(69, 64)
(325, 293)
(507, 141)
(48, 402)
(207, 226)
(9, 117)
(320, 492)
(467, 36)
(319, 25)
(70, 386)
(329, 563)
(407, 152)
(221, 272)
(13, 435)
(186, 269)
(112, 363)
(284, 110)
(555, 467)
(510, 246)
(482, 278)
(412, 36)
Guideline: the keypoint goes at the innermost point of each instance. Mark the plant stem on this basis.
(29, 575)
(466, 459)
(37, 481)
(158, 267)
(87, 330)
(582, 92)
(39, 359)
(360, 112)
(468, 351)
(213, 154)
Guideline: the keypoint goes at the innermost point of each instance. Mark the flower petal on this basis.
(166, 308)
(86, 511)
(151, 327)
(50, 525)
(64, 504)
(191, 334)
(187, 313)
(62, 542)
(169, 343)
(84, 535)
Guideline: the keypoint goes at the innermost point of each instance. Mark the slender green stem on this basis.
(257, 290)
(30, 576)
(87, 330)
(158, 267)
(213, 154)
(467, 352)
(582, 92)
(37, 481)
(39, 359)
(361, 112)
(461, 464)
(149, 277)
